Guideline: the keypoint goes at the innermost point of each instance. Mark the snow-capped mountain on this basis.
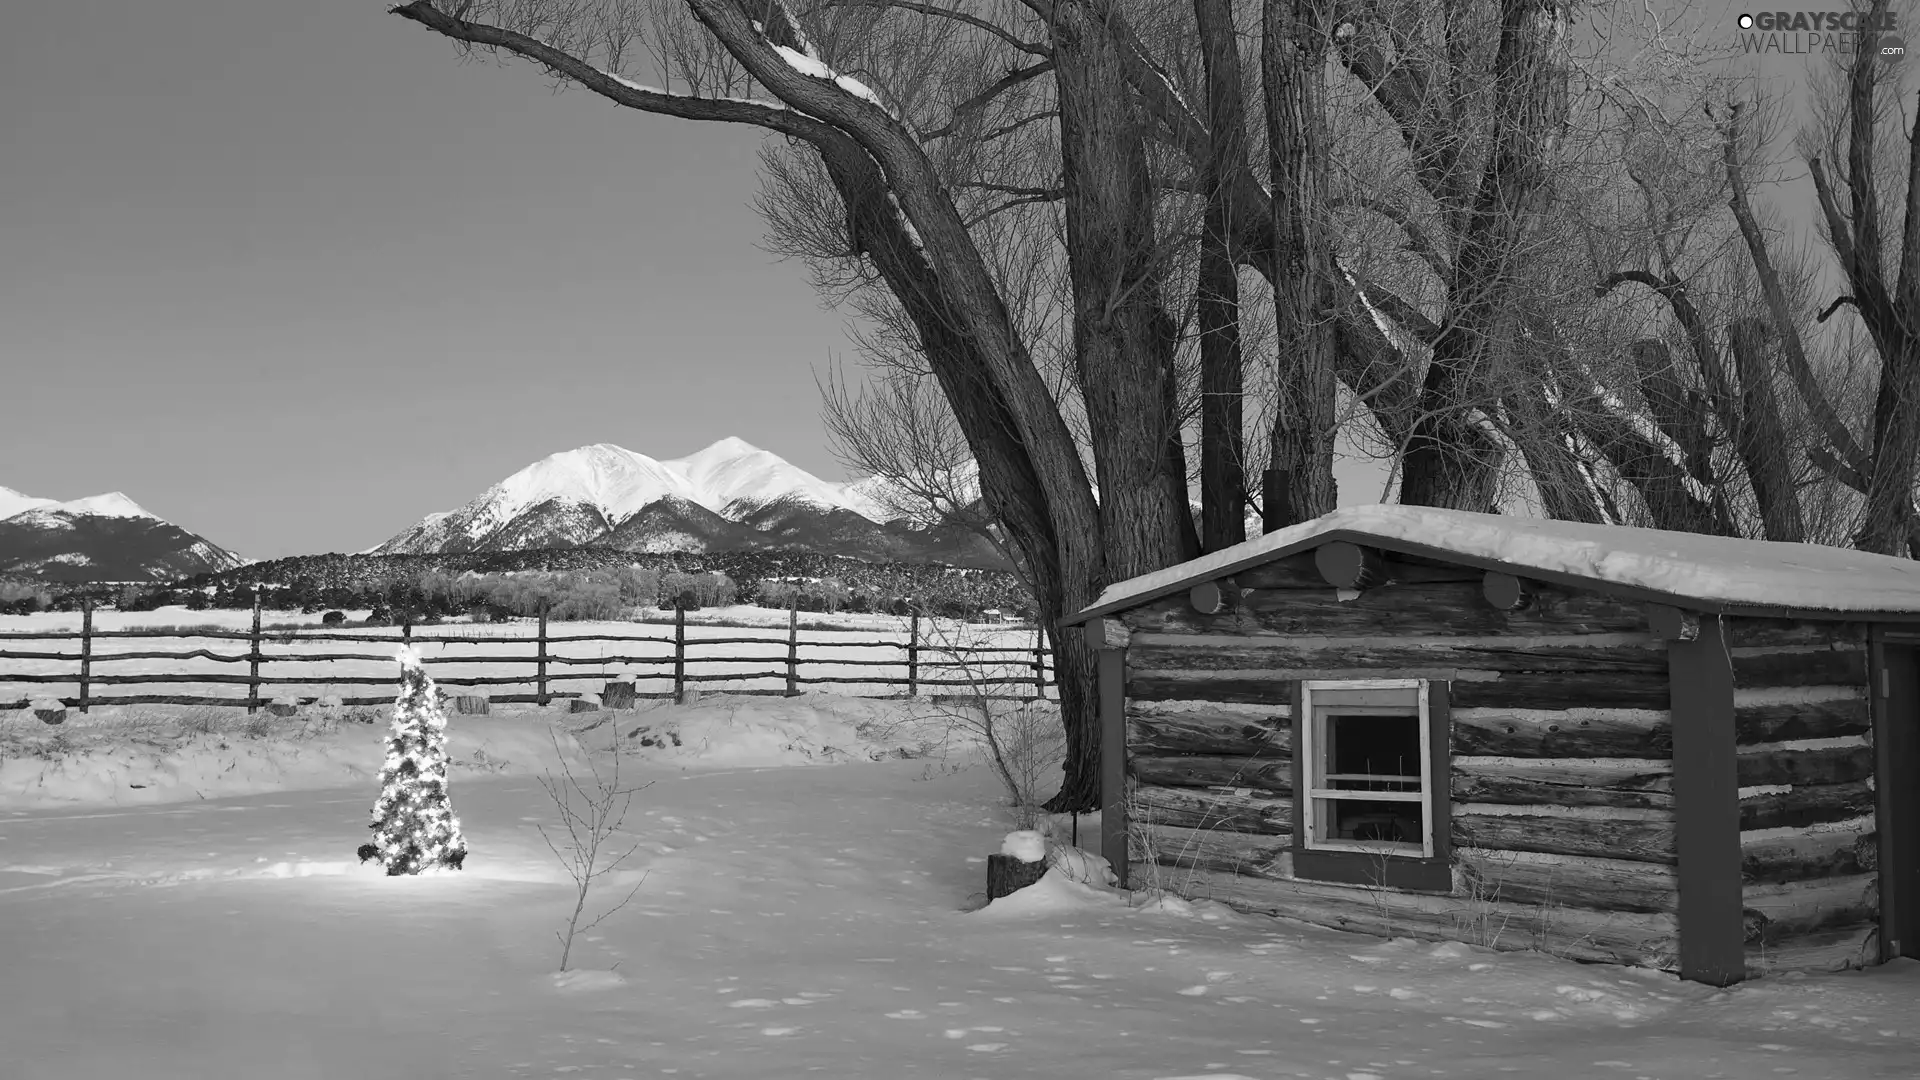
(728, 496)
(99, 538)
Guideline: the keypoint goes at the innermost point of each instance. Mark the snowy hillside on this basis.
(99, 538)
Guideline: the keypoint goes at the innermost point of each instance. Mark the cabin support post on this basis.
(1706, 790)
(1112, 667)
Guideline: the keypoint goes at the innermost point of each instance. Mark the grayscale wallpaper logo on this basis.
(1811, 33)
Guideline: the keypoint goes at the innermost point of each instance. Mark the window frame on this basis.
(1428, 868)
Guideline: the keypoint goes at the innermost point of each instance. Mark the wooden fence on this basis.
(920, 659)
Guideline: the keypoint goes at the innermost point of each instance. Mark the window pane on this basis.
(1371, 822)
(1372, 753)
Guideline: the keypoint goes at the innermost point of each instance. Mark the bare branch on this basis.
(947, 13)
(1835, 306)
(981, 100)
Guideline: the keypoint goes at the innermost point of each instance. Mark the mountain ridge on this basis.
(726, 496)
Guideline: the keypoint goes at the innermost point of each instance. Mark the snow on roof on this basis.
(1690, 570)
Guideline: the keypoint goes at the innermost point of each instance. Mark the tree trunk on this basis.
(1123, 337)
(1760, 436)
(1293, 61)
(1222, 440)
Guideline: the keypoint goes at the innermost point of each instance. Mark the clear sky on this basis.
(292, 275)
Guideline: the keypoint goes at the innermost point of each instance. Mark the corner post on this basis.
(1112, 667)
(1706, 786)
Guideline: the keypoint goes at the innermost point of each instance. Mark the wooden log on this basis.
(1802, 720)
(1262, 855)
(472, 705)
(1179, 727)
(1240, 810)
(1584, 732)
(1807, 854)
(283, 706)
(1609, 833)
(1207, 598)
(1637, 654)
(1273, 774)
(1349, 566)
(1106, 634)
(1839, 948)
(50, 711)
(1819, 765)
(1504, 591)
(1618, 937)
(1800, 666)
(1811, 804)
(1672, 623)
(1007, 875)
(1630, 782)
(1797, 908)
(1471, 689)
(1742, 632)
(584, 703)
(1601, 884)
(1436, 607)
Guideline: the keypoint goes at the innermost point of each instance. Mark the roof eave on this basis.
(1632, 593)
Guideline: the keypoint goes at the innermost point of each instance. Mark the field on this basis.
(836, 647)
(179, 901)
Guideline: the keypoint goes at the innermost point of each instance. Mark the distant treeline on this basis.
(573, 583)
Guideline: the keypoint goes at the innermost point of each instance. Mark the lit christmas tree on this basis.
(413, 823)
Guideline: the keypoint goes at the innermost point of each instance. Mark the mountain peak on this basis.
(111, 504)
(15, 502)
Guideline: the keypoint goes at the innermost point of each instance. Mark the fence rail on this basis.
(924, 663)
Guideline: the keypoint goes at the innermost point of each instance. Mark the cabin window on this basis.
(1368, 806)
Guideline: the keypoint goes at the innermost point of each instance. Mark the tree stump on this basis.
(283, 706)
(583, 704)
(619, 694)
(471, 705)
(50, 712)
(1006, 875)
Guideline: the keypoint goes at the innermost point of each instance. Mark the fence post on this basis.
(540, 657)
(793, 646)
(913, 656)
(86, 650)
(1039, 662)
(679, 653)
(253, 657)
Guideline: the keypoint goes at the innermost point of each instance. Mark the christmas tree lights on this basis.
(413, 823)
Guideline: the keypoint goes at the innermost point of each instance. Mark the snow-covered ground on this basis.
(716, 633)
(801, 911)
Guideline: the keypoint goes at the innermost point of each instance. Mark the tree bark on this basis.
(1760, 436)
(1222, 439)
(1123, 337)
(1293, 61)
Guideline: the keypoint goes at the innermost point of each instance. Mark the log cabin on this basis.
(1612, 744)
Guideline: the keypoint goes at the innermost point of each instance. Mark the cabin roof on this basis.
(1687, 570)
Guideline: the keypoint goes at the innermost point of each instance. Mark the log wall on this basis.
(1810, 886)
(1561, 785)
